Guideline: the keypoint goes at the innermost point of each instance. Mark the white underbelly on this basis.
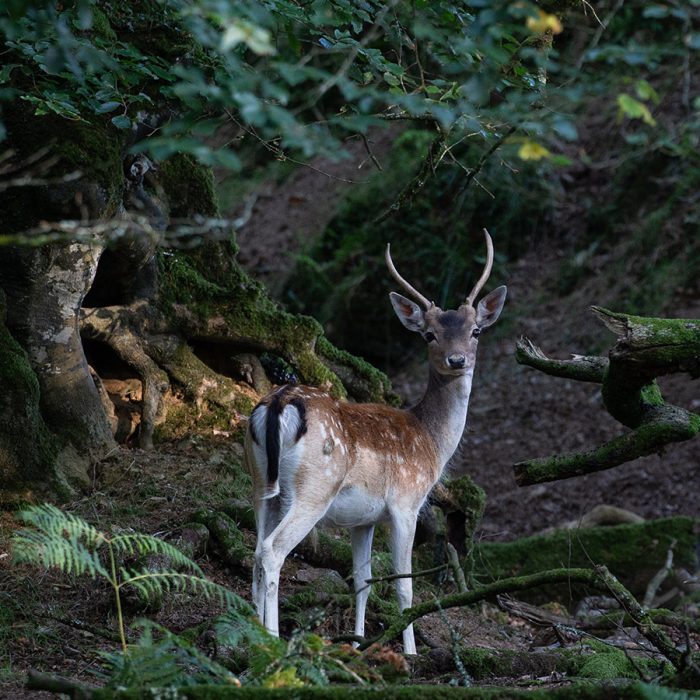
(353, 507)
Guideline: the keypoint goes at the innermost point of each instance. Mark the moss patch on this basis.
(189, 186)
(247, 317)
(19, 407)
(633, 553)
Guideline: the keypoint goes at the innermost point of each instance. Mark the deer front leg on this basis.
(403, 530)
(362, 570)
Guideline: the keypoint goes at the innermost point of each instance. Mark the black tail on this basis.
(272, 440)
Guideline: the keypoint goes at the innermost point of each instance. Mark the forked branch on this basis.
(646, 348)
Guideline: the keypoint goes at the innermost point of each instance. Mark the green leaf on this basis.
(121, 122)
(634, 109)
(391, 79)
(655, 11)
(108, 107)
(646, 92)
(6, 70)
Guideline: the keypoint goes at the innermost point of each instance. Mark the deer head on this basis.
(452, 336)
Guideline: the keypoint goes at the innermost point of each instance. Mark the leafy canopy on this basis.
(297, 75)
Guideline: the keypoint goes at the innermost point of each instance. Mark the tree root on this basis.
(121, 329)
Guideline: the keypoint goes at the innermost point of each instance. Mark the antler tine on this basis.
(407, 287)
(485, 274)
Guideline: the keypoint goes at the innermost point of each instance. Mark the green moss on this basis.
(374, 384)
(253, 320)
(633, 553)
(227, 535)
(100, 25)
(471, 499)
(19, 406)
(189, 187)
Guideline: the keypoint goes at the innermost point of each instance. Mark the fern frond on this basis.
(169, 661)
(166, 581)
(147, 544)
(240, 627)
(54, 522)
(50, 550)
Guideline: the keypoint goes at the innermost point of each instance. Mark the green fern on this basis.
(68, 543)
(167, 661)
(306, 659)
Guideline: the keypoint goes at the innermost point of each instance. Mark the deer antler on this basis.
(485, 274)
(407, 287)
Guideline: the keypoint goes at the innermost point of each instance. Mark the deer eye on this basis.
(430, 337)
(476, 332)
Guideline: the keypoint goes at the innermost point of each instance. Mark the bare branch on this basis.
(584, 368)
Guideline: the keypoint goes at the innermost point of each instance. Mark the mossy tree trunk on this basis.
(154, 312)
(646, 348)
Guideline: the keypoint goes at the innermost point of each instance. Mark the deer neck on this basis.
(443, 410)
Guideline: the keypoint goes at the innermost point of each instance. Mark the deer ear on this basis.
(410, 314)
(490, 307)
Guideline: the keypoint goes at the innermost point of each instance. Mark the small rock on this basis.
(327, 580)
(193, 540)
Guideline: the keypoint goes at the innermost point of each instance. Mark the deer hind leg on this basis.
(267, 517)
(362, 570)
(297, 522)
(403, 530)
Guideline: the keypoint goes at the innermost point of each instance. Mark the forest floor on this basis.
(62, 625)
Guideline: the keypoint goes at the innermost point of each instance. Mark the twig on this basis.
(436, 152)
(602, 26)
(371, 155)
(415, 574)
(599, 578)
(280, 154)
(641, 618)
(659, 577)
(473, 172)
(455, 568)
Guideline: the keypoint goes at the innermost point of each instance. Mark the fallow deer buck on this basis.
(314, 459)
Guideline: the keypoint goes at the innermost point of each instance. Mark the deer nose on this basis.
(456, 361)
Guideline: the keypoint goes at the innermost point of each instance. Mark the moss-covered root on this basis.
(212, 399)
(230, 307)
(229, 540)
(593, 660)
(463, 502)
